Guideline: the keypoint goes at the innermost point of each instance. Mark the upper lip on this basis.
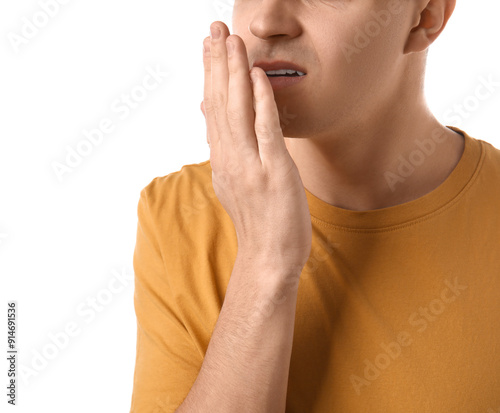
(278, 65)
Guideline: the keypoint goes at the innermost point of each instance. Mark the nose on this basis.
(274, 19)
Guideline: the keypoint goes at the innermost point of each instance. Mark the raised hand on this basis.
(253, 174)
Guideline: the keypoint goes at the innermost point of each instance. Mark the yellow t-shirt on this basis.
(398, 309)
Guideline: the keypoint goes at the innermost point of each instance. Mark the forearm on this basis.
(248, 358)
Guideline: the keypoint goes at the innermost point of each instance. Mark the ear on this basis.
(430, 20)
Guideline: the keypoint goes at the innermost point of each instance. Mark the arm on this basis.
(246, 365)
(248, 358)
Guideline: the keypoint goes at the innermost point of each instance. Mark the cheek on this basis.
(345, 85)
(362, 52)
(362, 32)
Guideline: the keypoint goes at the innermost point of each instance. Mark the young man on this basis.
(346, 260)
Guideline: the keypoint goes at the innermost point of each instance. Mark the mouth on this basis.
(284, 73)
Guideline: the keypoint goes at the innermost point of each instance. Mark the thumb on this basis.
(202, 107)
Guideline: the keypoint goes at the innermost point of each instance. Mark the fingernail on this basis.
(230, 48)
(215, 32)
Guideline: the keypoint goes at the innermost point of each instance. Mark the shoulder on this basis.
(483, 189)
(184, 198)
(490, 163)
(492, 153)
(180, 184)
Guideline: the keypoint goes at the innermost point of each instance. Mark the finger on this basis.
(220, 82)
(240, 110)
(270, 138)
(212, 136)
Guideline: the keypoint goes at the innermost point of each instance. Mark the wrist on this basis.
(269, 270)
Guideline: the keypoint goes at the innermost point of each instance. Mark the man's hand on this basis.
(253, 174)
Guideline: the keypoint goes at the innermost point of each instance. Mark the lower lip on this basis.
(280, 82)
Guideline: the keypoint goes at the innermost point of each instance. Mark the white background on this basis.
(63, 242)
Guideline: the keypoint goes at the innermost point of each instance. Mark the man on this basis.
(345, 260)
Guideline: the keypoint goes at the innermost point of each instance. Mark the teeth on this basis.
(284, 72)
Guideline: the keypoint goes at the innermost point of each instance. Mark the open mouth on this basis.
(284, 73)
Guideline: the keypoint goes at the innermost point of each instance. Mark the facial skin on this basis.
(355, 112)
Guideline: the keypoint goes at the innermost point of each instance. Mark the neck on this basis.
(357, 169)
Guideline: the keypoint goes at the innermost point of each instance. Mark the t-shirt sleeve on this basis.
(167, 360)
